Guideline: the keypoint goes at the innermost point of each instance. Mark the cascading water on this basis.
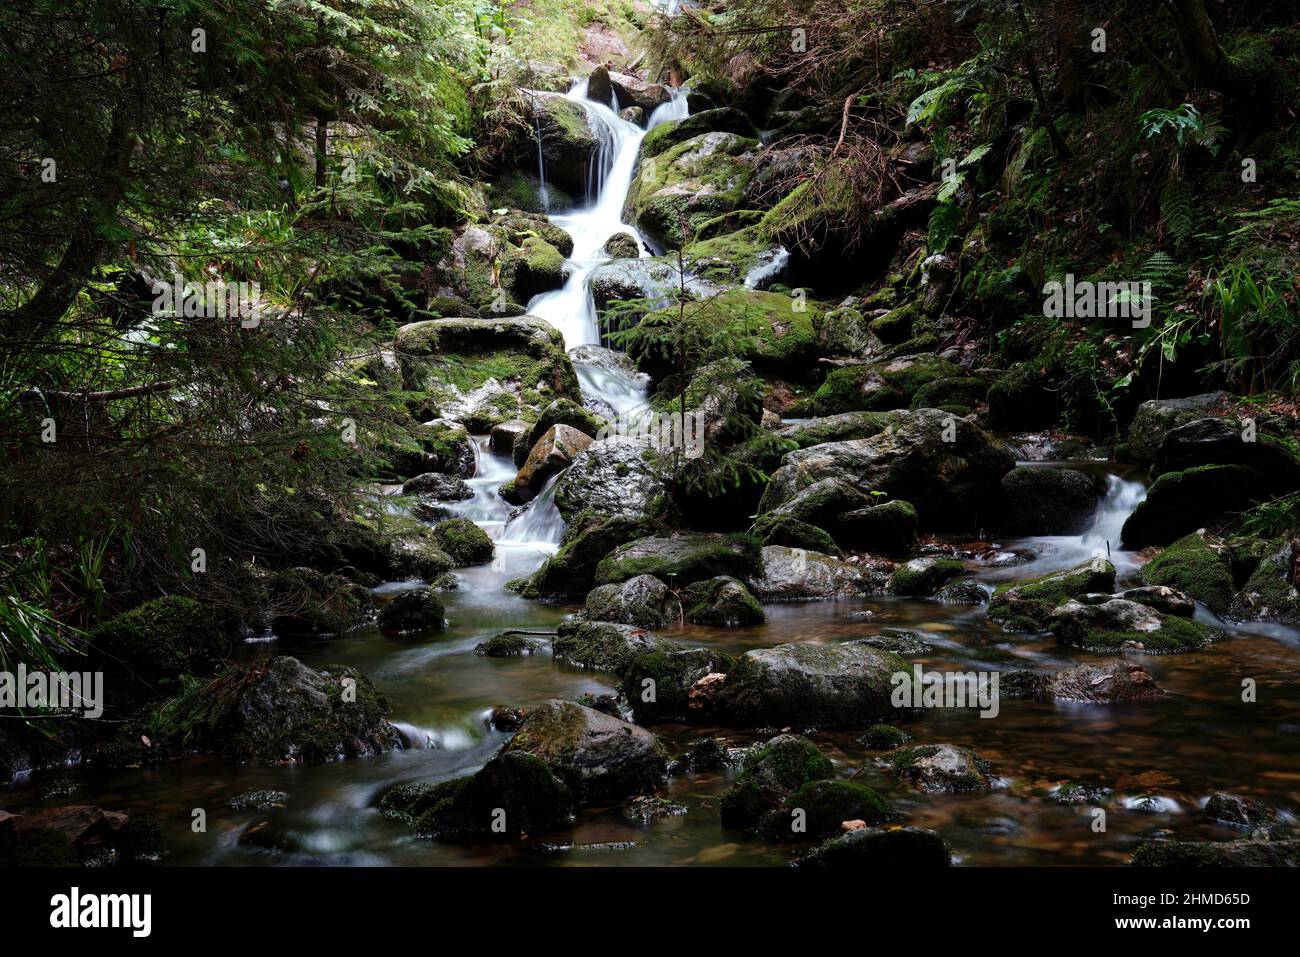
(543, 193)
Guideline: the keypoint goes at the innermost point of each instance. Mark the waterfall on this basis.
(540, 523)
(542, 191)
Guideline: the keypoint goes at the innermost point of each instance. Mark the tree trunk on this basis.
(1205, 58)
(322, 140)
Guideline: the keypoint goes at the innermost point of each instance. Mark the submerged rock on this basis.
(643, 601)
(797, 574)
(1105, 683)
(904, 847)
(1028, 605)
(810, 685)
(1117, 624)
(943, 769)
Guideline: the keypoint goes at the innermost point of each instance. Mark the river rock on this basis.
(923, 576)
(1179, 503)
(511, 644)
(796, 574)
(413, 551)
(823, 502)
(942, 769)
(665, 684)
(621, 246)
(614, 476)
(1156, 418)
(682, 558)
(1217, 854)
(773, 529)
(419, 609)
(1038, 500)
(769, 773)
(568, 143)
(1239, 811)
(442, 488)
(1027, 605)
(465, 542)
(904, 847)
(504, 435)
(599, 756)
(604, 645)
(1105, 683)
(553, 453)
(810, 685)
(721, 601)
(688, 184)
(559, 412)
(643, 601)
(1225, 440)
(1109, 624)
(724, 120)
(888, 528)
(635, 93)
(1271, 593)
(1198, 568)
(947, 482)
(303, 603)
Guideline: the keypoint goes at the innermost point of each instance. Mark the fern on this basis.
(1176, 212)
(1164, 272)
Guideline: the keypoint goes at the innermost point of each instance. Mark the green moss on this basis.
(773, 529)
(879, 387)
(465, 542)
(1026, 606)
(1175, 635)
(924, 576)
(884, 737)
(827, 804)
(721, 601)
(683, 559)
(896, 326)
(1190, 564)
(148, 648)
(769, 773)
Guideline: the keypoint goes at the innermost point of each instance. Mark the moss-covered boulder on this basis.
(824, 502)
(412, 550)
(277, 712)
(1156, 418)
(721, 601)
(769, 773)
(942, 769)
(465, 542)
(924, 576)
(1178, 503)
(604, 645)
(303, 603)
(884, 737)
(810, 685)
(879, 387)
(568, 142)
(521, 189)
(590, 536)
(514, 794)
(1111, 624)
(1196, 567)
(1038, 500)
(799, 574)
(946, 467)
(658, 683)
(419, 609)
(1023, 398)
(1027, 605)
(901, 848)
(143, 652)
(511, 644)
(682, 559)
(598, 756)
(888, 528)
(688, 184)
(1271, 592)
(621, 246)
(485, 371)
(643, 601)
(722, 120)
(614, 476)
(826, 805)
(1184, 854)
(774, 529)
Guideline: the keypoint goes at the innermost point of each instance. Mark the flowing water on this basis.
(1162, 759)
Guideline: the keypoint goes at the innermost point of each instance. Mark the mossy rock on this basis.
(884, 737)
(145, 650)
(1027, 605)
(667, 135)
(571, 571)
(687, 185)
(828, 804)
(1178, 503)
(956, 392)
(621, 246)
(1184, 854)
(604, 645)
(562, 411)
(303, 603)
(517, 189)
(896, 325)
(721, 601)
(942, 768)
(924, 576)
(1192, 565)
(770, 772)
(733, 257)
(901, 848)
(776, 529)
(643, 601)
(683, 559)
(888, 528)
(1270, 593)
(465, 542)
(1120, 625)
(419, 609)
(657, 683)
(879, 387)
(510, 644)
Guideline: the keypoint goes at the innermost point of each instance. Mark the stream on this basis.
(1162, 761)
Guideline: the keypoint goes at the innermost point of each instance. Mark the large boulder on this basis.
(280, 711)
(1271, 592)
(664, 684)
(723, 120)
(1038, 500)
(1027, 605)
(1156, 418)
(568, 142)
(561, 411)
(614, 476)
(682, 559)
(1196, 567)
(948, 468)
(643, 601)
(881, 850)
(419, 609)
(632, 92)
(486, 371)
(1094, 684)
(554, 452)
(923, 576)
(597, 755)
(688, 184)
(465, 542)
(798, 574)
(1223, 440)
(810, 685)
(571, 571)
(942, 769)
(888, 528)
(1178, 503)
(604, 645)
(1108, 623)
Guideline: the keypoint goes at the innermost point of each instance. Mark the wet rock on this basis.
(1038, 500)
(571, 571)
(597, 755)
(822, 503)
(567, 140)
(844, 427)
(796, 574)
(506, 719)
(1240, 811)
(810, 685)
(599, 88)
(1196, 567)
(1179, 503)
(644, 810)
(511, 644)
(900, 642)
(1156, 418)
(258, 800)
(905, 848)
(281, 711)
(604, 645)
(465, 542)
(419, 609)
(635, 93)
(1112, 681)
(723, 120)
(1028, 605)
(643, 601)
(303, 603)
(622, 246)
(889, 528)
(504, 435)
(963, 592)
(1226, 441)
(682, 558)
(721, 601)
(943, 769)
(660, 684)
(707, 754)
(1220, 854)
(1271, 593)
(559, 412)
(554, 452)
(1073, 794)
(884, 737)
(1116, 624)
(443, 488)
(1160, 597)
(615, 476)
(923, 576)
(634, 115)
(946, 481)
(770, 772)
(655, 280)
(413, 551)
(774, 529)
